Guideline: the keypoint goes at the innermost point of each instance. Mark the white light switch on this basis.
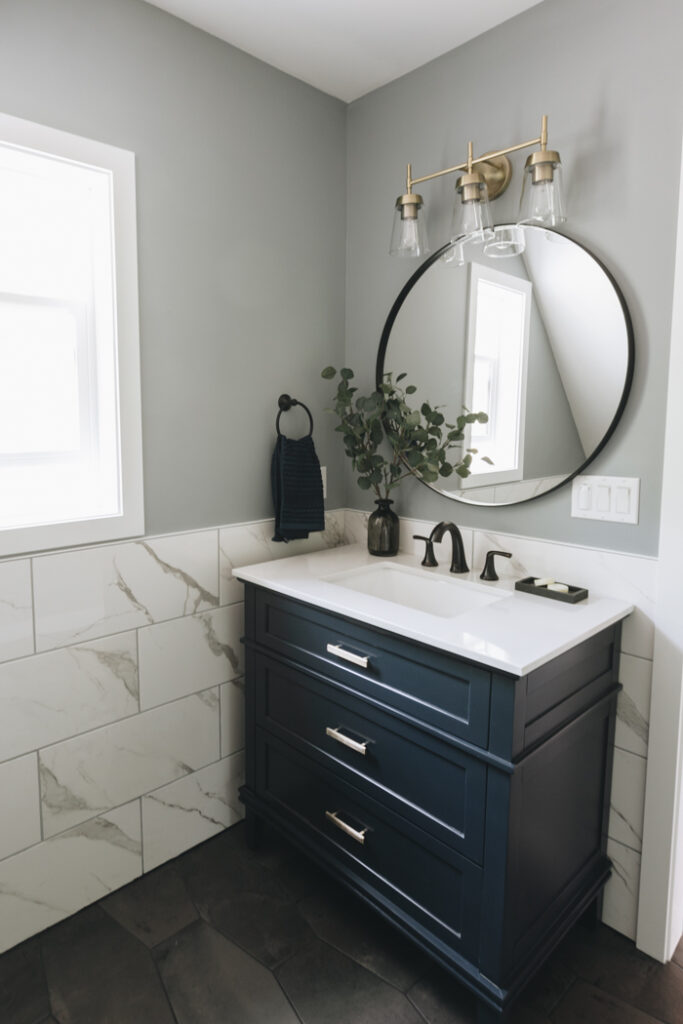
(610, 498)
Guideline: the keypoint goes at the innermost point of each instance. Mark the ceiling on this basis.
(346, 48)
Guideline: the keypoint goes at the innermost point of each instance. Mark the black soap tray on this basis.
(574, 594)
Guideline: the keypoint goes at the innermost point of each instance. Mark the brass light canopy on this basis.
(486, 177)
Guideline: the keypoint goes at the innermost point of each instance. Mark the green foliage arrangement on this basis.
(418, 441)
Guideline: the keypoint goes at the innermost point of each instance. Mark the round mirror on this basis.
(541, 341)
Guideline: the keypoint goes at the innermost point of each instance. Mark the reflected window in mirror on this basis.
(496, 374)
(541, 341)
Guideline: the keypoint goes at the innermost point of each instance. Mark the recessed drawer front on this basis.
(420, 682)
(437, 786)
(421, 876)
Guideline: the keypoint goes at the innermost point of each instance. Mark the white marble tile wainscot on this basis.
(124, 633)
(122, 698)
(630, 578)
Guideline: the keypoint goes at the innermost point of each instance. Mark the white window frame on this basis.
(479, 272)
(121, 165)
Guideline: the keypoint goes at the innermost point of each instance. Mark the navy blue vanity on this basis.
(466, 804)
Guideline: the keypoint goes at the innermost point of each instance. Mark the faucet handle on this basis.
(429, 558)
(489, 572)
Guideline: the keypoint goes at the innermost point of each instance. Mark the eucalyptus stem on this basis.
(388, 440)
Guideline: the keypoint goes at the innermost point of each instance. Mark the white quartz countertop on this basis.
(516, 634)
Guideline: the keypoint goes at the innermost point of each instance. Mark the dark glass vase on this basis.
(383, 529)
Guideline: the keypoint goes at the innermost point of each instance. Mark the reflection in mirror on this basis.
(540, 341)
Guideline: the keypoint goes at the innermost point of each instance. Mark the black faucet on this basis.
(458, 561)
(489, 572)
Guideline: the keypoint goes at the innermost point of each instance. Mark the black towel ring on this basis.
(286, 402)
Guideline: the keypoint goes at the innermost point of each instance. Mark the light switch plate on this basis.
(613, 499)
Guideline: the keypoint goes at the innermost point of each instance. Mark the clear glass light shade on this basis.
(455, 256)
(471, 219)
(507, 241)
(542, 201)
(408, 235)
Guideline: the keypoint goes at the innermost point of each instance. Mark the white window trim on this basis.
(130, 523)
(480, 272)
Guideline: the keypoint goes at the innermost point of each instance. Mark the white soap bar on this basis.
(561, 588)
(544, 582)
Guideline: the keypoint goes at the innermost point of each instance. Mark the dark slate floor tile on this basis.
(269, 928)
(326, 987)
(662, 995)
(585, 1004)
(609, 961)
(296, 872)
(210, 980)
(442, 1000)
(219, 870)
(344, 921)
(97, 973)
(678, 955)
(23, 991)
(153, 907)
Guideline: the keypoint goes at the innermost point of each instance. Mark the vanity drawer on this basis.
(418, 682)
(422, 877)
(437, 786)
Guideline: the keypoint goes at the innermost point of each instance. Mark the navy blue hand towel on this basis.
(297, 489)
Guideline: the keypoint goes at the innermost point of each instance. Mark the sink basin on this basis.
(417, 588)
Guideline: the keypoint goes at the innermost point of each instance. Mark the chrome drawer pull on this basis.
(359, 836)
(357, 659)
(360, 748)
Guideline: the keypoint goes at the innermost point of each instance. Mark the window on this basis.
(70, 434)
(496, 372)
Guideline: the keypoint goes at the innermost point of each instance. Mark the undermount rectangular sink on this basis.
(417, 588)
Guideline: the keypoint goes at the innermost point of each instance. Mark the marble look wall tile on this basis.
(49, 881)
(355, 526)
(53, 696)
(630, 578)
(89, 774)
(188, 655)
(19, 805)
(633, 705)
(80, 595)
(232, 716)
(187, 812)
(252, 543)
(620, 905)
(16, 611)
(627, 801)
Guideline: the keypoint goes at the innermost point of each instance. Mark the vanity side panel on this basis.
(551, 696)
(556, 853)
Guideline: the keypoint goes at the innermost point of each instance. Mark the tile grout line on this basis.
(142, 839)
(119, 721)
(40, 804)
(119, 632)
(118, 807)
(33, 605)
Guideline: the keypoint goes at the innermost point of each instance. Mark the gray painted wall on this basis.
(604, 72)
(240, 187)
(241, 173)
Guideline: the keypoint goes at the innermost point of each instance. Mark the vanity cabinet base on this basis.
(487, 860)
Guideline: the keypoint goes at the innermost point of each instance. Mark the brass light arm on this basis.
(410, 181)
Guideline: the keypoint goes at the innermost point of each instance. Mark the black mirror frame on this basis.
(403, 295)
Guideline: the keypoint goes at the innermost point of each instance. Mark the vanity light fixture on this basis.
(485, 177)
